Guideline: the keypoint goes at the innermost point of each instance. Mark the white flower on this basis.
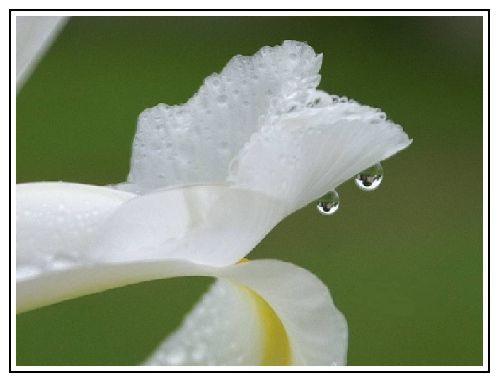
(208, 180)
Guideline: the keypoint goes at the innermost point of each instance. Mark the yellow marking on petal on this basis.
(275, 339)
(243, 260)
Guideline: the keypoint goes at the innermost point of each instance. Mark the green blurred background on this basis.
(404, 263)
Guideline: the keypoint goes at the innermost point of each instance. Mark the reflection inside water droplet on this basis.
(371, 178)
(329, 203)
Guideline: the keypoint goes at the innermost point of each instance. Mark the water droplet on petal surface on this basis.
(222, 99)
(371, 178)
(329, 203)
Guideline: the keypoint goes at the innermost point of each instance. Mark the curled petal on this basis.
(308, 153)
(194, 142)
(262, 125)
(275, 312)
(260, 313)
(61, 225)
(215, 225)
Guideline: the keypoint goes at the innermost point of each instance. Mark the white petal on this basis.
(215, 225)
(61, 224)
(289, 140)
(195, 142)
(33, 36)
(55, 228)
(223, 329)
(303, 155)
(52, 286)
(316, 332)
(55, 221)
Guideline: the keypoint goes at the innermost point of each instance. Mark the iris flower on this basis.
(208, 180)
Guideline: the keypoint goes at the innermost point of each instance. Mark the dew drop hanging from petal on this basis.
(329, 203)
(371, 178)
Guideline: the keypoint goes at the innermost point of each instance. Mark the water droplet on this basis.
(314, 102)
(371, 178)
(329, 203)
(222, 99)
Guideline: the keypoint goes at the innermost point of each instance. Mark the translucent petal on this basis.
(210, 224)
(60, 225)
(194, 142)
(33, 36)
(315, 331)
(55, 222)
(301, 156)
